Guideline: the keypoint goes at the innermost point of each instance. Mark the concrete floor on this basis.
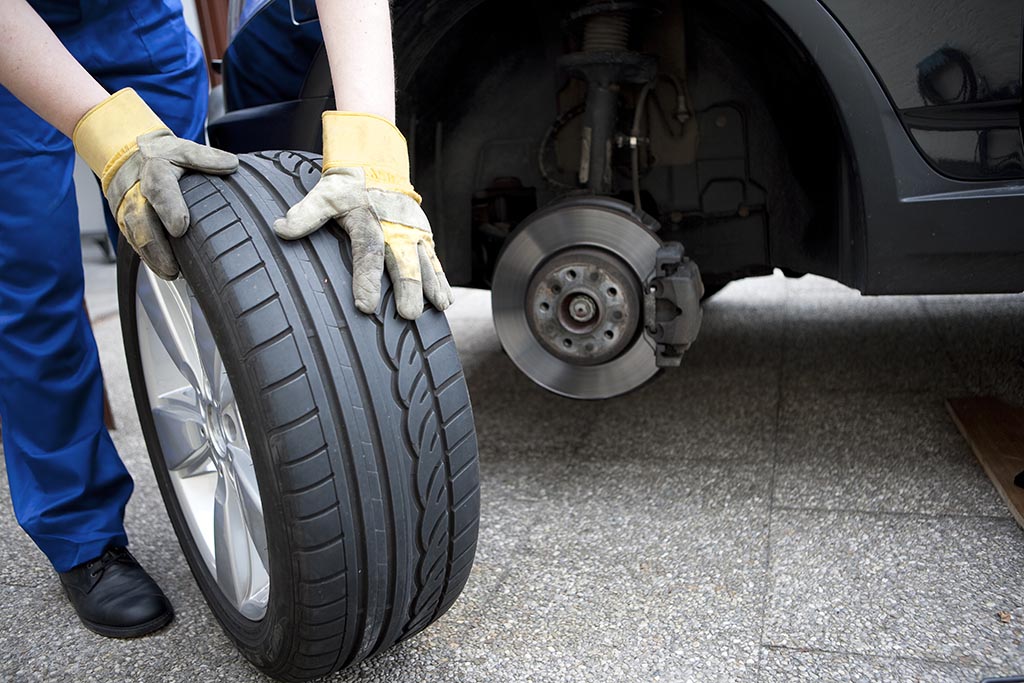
(793, 504)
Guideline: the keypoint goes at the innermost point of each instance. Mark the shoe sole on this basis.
(135, 631)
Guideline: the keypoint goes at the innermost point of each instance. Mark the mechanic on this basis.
(60, 60)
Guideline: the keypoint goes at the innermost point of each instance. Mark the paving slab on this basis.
(729, 414)
(878, 452)
(852, 343)
(543, 422)
(643, 581)
(738, 333)
(941, 589)
(779, 665)
(984, 338)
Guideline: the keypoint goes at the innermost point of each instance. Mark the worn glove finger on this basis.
(402, 260)
(187, 154)
(367, 239)
(307, 215)
(160, 186)
(432, 288)
(441, 277)
(145, 233)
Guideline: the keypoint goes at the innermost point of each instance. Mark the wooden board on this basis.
(995, 431)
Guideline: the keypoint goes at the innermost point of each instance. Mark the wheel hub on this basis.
(583, 305)
(221, 428)
(582, 308)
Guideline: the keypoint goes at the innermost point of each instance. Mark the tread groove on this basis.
(278, 383)
(454, 379)
(319, 513)
(264, 345)
(275, 297)
(291, 464)
(466, 496)
(244, 274)
(309, 487)
(457, 414)
(281, 429)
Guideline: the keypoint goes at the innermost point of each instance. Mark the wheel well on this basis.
(815, 204)
(478, 104)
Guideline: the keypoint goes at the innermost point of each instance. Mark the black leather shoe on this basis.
(114, 596)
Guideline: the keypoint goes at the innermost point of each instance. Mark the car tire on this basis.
(359, 428)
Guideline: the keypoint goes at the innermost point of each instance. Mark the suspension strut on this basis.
(605, 62)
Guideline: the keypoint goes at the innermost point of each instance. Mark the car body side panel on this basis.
(953, 70)
(923, 232)
(897, 37)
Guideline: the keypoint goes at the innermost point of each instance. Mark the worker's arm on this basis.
(37, 69)
(357, 34)
(136, 157)
(366, 183)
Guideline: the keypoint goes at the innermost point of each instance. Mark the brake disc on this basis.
(568, 298)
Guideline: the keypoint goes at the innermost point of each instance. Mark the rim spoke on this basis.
(199, 428)
(181, 431)
(172, 322)
(231, 544)
(244, 478)
(226, 395)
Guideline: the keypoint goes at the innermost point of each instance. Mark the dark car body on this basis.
(874, 142)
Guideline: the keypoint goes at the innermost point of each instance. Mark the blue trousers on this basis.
(68, 484)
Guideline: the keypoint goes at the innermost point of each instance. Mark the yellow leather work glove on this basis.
(139, 162)
(365, 186)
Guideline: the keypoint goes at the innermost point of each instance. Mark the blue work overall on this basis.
(68, 485)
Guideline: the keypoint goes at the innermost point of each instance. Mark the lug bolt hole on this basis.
(608, 334)
(545, 306)
(571, 274)
(612, 291)
(567, 343)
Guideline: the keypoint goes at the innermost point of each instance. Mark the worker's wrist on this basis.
(107, 134)
(370, 142)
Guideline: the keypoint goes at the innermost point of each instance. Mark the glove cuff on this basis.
(108, 133)
(355, 140)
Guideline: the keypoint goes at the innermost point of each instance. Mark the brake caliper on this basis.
(672, 313)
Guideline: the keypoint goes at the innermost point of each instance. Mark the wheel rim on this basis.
(203, 442)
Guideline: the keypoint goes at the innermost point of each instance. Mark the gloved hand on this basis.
(365, 186)
(139, 162)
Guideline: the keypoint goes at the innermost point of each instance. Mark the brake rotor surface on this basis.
(567, 298)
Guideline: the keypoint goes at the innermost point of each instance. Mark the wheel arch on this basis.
(825, 234)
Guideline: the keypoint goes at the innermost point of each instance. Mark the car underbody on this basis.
(603, 165)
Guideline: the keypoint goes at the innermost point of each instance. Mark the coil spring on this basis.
(607, 32)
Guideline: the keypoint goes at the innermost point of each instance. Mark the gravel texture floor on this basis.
(792, 505)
